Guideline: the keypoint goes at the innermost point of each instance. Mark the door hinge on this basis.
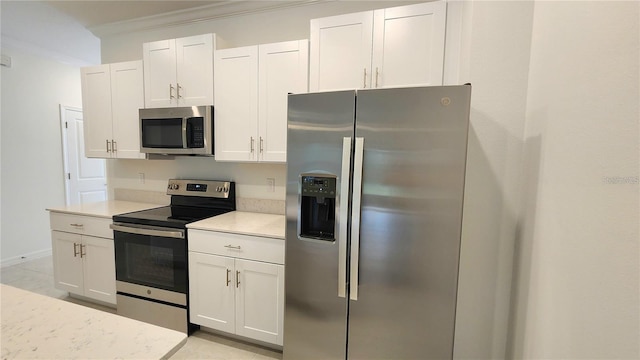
(69, 176)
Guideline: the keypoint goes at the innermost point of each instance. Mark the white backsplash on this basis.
(265, 206)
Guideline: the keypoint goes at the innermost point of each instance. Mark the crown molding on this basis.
(199, 14)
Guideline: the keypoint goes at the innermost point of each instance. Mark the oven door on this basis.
(151, 257)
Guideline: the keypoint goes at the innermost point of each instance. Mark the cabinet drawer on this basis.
(237, 246)
(78, 224)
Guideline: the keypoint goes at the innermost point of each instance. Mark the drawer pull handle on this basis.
(233, 247)
(77, 225)
(228, 280)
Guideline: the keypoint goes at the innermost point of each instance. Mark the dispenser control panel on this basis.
(319, 186)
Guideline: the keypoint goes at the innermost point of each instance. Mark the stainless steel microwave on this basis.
(177, 130)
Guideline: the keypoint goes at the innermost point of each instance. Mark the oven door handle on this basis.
(139, 230)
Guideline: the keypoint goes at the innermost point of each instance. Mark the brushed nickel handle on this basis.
(77, 225)
(377, 76)
(171, 92)
(75, 250)
(233, 247)
(82, 247)
(178, 90)
(228, 280)
(114, 146)
(364, 82)
(108, 148)
(252, 140)
(261, 144)
(237, 279)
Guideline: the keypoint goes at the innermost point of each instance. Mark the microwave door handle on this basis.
(184, 133)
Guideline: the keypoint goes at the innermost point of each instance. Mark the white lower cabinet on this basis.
(83, 264)
(234, 294)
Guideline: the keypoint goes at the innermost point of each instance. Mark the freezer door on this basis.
(320, 127)
(413, 172)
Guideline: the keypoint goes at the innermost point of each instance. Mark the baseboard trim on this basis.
(26, 257)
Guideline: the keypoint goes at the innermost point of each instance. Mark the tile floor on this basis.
(37, 276)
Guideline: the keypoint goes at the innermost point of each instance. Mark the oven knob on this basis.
(225, 189)
(218, 189)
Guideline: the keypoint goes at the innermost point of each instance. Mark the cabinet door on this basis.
(96, 103)
(340, 55)
(127, 96)
(408, 45)
(159, 73)
(260, 300)
(282, 70)
(194, 59)
(99, 269)
(67, 264)
(236, 104)
(211, 291)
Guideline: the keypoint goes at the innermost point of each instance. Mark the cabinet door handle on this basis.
(82, 248)
(75, 250)
(237, 279)
(377, 76)
(108, 146)
(364, 82)
(178, 90)
(114, 146)
(252, 143)
(261, 144)
(228, 280)
(233, 247)
(171, 92)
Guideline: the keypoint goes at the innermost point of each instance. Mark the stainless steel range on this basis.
(152, 279)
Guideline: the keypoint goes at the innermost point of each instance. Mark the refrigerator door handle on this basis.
(343, 217)
(355, 217)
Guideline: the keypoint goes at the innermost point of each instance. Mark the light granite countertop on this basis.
(105, 209)
(40, 327)
(244, 223)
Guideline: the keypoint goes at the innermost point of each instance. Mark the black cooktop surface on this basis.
(169, 216)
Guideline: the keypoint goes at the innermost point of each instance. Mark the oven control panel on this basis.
(209, 188)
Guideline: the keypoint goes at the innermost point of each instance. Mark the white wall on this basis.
(32, 175)
(46, 49)
(577, 289)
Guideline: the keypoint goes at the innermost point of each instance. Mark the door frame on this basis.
(65, 150)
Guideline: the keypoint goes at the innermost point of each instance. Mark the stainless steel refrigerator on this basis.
(375, 182)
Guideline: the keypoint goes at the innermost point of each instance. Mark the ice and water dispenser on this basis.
(318, 207)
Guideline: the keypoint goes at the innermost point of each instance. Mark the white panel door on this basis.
(260, 300)
(282, 70)
(194, 58)
(99, 269)
(67, 264)
(96, 101)
(127, 94)
(236, 104)
(85, 178)
(159, 73)
(408, 45)
(211, 291)
(340, 56)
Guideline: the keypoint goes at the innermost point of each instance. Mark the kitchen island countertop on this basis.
(105, 209)
(244, 223)
(40, 327)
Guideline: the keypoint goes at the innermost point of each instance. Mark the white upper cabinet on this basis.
(111, 97)
(400, 46)
(408, 45)
(252, 84)
(179, 72)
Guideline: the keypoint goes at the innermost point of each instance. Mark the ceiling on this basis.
(95, 13)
